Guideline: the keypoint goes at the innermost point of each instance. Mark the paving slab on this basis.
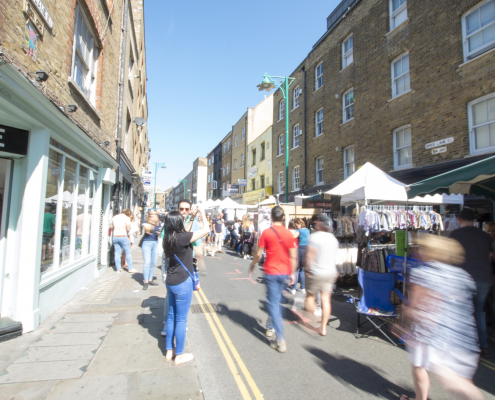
(131, 294)
(153, 315)
(69, 339)
(126, 302)
(114, 387)
(26, 391)
(81, 327)
(44, 371)
(125, 334)
(132, 316)
(146, 356)
(169, 383)
(59, 353)
(153, 302)
(108, 361)
(89, 317)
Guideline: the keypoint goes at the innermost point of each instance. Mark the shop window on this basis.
(81, 211)
(66, 228)
(481, 114)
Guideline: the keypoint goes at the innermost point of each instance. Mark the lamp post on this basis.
(268, 84)
(183, 181)
(157, 165)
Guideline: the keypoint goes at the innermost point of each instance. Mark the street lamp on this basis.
(157, 165)
(268, 84)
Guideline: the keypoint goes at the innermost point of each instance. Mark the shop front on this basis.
(55, 191)
(255, 195)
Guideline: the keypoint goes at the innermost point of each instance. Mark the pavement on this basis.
(105, 343)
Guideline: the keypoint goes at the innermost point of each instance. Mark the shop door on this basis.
(6, 170)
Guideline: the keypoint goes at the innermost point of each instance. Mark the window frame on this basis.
(294, 136)
(281, 110)
(280, 145)
(253, 155)
(344, 107)
(243, 159)
(262, 153)
(350, 53)
(280, 182)
(472, 137)
(235, 164)
(235, 141)
(294, 186)
(262, 181)
(396, 155)
(243, 133)
(295, 97)
(322, 182)
(317, 123)
(394, 89)
(317, 77)
(394, 14)
(346, 162)
(465, 38)
(91, 69)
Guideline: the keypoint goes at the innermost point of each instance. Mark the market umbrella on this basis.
(477, 178)
(270, 200)
(229, 203)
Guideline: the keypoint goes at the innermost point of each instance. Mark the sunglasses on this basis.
(184, 209)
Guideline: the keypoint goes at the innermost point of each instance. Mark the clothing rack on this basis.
(398, 208)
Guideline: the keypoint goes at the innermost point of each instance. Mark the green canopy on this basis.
(477, 178)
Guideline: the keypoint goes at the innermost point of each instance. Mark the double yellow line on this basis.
(487, 363)
(224, 341)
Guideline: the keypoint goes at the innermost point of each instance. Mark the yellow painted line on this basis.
(242, 387)
(242, 366)
(487, 364)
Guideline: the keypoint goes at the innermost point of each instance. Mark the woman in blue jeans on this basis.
(177, 246)
(149, 247)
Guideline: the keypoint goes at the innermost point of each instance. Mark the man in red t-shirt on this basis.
(280, 265)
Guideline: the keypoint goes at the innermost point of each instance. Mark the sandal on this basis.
(186, 357)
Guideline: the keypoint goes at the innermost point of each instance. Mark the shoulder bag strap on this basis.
(177, 258)
(279, 239)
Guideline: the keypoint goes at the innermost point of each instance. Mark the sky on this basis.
(204, 60)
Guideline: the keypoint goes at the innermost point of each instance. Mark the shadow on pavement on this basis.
(355, 375)
(246, 321)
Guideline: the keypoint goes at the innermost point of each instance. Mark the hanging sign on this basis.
(325, 201)
(44, 12)
(13, 141)
(439, 150)
(439, 143)
(147, 174)
(234, 189)
(252, 172)
(242, 182)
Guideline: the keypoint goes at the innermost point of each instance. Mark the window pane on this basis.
(68, 196)
(401, 17)
(53, 174)
(472, 22)
(479, 113)
(487, 13)
(399, 85)
(492, 134)
(397, 3)
(482, 137)
(407, 136)
(407, 83)
(475, 41)
(81, 202)
(489, 34)
(397, 68)
(491, 109)
(349, 112)
(405, 63)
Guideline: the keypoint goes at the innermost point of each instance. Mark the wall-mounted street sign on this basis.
(146, 183)
(325, 201)
(439, 143)
(147, 174)
(252, 172)
(44, 12)
(234, 189)
(13, 142)
(242, 182)
(439, 150)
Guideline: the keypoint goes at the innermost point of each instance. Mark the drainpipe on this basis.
(305, 132)
(123, 45)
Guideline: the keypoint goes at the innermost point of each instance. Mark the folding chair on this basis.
(376, 289)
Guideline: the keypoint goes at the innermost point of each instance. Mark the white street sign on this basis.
(439, 143)
(147, 174)
(439, 150)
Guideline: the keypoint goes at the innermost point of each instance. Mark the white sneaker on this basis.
(303, 290)
(293, 291)
(318, 312)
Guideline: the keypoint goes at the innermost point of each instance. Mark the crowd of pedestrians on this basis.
(444, 317)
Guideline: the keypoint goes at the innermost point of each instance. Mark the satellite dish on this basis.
(140, 121)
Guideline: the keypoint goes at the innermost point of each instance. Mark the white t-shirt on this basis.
(326, 246)
(119, 224)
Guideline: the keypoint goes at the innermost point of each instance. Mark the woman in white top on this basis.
(132, 235)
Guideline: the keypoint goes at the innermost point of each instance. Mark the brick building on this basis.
(59, 92)
(214, 180)
(226, 164)
(239, 155)
(386, 79)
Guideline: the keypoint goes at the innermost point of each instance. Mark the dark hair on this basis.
(292, 225)
(301, 222)
(174, 224)
(466, 214)
(185, 201)
(278, 214)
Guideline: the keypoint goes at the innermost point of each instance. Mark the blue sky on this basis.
(204, 60)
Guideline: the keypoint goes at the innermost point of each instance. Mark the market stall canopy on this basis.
(231, 204)
(370, 183)
(477, 179)
(217, 202)
(209, 203)
(438, 199)
(270, 200)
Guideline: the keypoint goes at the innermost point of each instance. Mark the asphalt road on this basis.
(234, 360)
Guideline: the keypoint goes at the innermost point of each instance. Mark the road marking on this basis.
(241, 279)
(242, 366)
(233, 273)
(225, 352)
(487, 364)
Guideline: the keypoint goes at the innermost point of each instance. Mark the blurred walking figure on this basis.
(132, 235)
(321, 271)
(149, 246)
(477, 247)
(177, 245)
(280, 266)
(440, 320)
(121, 225)
(217, 229)
(247, 237)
